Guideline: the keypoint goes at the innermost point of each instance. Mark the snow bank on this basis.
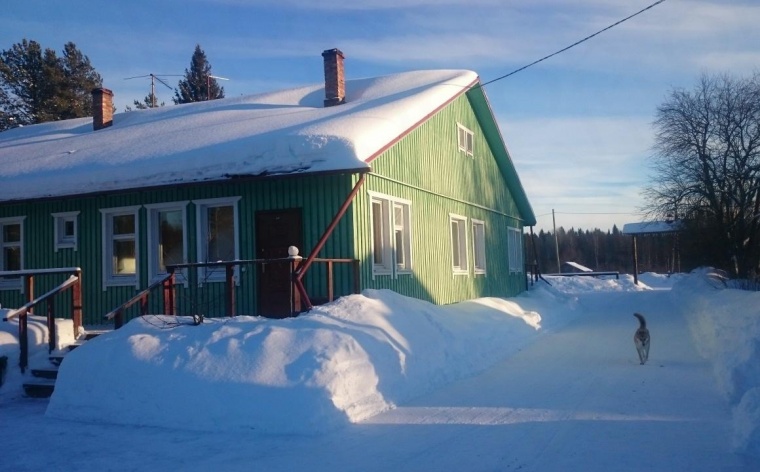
(340, 363)
(725, 324)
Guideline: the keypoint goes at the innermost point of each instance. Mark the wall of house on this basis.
(318, 196)
(427, 169)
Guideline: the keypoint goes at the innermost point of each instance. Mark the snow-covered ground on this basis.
(548, 380)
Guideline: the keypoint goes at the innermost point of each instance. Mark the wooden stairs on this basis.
(42, 384)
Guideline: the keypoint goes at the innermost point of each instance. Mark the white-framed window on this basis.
(65, 230)
(465, 140)
(515, 241)
(11, 250)
(121, 246)
(459, 263)
(217, 235)
(391, 235)
(479, 246)
(167, 238)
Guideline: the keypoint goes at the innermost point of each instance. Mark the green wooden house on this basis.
(407, 174)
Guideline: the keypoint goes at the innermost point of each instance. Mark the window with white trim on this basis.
(479, 246)
(167, 237)
(515, 241)
(391, 235)
(465, 140)
(217, 224)
(121, 251)
(65, 230)
(459, 263)
(11, 250)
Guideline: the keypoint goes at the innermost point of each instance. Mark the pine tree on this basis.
(37, 86)
(80, 79)
(198, 84)
(150, 101)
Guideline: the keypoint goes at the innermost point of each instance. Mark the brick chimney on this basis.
(335, 82)
(102, 108)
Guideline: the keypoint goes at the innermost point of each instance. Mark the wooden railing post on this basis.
(330, 281)
(51, 325)
(118, 319)
(295, 294)
(169, 293)
(229, 288)
(76, 302)
(29, 287)
(357, 276)
(23, 341)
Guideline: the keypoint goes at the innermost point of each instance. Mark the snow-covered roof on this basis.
(282, 132)
(652, 227)
(580, 267)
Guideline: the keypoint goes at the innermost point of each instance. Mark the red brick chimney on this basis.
(335, 81)
(102, 108)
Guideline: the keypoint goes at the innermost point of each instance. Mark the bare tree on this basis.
(707, 169)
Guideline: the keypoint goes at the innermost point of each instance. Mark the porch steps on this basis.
(42, 384)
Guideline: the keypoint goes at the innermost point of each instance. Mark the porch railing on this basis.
(74, 282)
(299, 296)
(167, 285)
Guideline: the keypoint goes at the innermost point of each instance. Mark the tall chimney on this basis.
(335, 82)
(102, 108)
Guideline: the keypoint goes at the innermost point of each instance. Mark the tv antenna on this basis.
(153, 79)
(208, 84)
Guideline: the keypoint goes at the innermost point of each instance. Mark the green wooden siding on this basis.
(427, 168)
(319, 197)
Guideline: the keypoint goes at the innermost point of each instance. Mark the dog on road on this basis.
(641, 338)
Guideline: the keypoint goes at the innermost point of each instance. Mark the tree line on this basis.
(38, 85)
(607, 251)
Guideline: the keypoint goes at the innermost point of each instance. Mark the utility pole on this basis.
(556, 241)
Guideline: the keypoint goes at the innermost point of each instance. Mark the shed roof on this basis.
(283, 132)
(652, 227)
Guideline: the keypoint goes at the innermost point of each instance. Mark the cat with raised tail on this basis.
(641, 339)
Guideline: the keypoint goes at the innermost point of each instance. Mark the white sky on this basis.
(578, 125)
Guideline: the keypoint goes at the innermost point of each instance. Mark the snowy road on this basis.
(575, 399)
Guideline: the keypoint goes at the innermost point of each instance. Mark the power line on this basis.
(574, 44)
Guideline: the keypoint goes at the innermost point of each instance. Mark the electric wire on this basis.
(574, 44)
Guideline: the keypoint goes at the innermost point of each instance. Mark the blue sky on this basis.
(578, 126)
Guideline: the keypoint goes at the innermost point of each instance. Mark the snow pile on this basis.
(725, 324)
(340, 363)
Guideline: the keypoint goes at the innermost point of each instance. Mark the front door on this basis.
(276, 230)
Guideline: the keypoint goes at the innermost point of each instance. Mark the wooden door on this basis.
(276, 230)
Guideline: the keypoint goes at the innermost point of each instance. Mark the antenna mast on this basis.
(153, 78)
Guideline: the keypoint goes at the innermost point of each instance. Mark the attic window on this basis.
(465, 139)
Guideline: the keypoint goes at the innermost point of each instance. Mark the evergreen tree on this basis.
(198, 84)
(148, 102)
(80, 78)
(37, 86)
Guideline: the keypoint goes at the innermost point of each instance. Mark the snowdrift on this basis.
(340, 363)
